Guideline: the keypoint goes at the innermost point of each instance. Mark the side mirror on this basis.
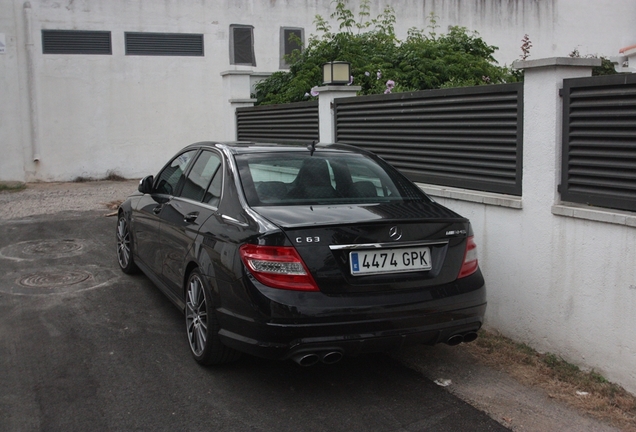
(145, 184)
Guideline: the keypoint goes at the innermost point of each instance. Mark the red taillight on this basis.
(278, 267)
(470, 264)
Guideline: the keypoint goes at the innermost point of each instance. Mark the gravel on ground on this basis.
(50, 198)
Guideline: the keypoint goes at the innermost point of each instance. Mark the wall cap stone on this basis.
(487, 198)
(556, 61)
(338, 88)
(236, 72)
(241, 101)
(577, 211)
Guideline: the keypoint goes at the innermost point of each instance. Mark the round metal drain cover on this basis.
(54, 279)
(52, 247)
(48, 249)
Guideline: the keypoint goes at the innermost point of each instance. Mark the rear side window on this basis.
(325, 178)
(200, 176)
(170, 177)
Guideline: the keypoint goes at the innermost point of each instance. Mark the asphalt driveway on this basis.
(85, 347)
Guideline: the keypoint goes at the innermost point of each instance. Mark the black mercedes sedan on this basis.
(301, 252)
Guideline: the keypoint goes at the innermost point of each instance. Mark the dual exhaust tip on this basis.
(456, 339)
(311, 358)
(330, 357)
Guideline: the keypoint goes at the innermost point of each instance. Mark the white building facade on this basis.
(88, 114)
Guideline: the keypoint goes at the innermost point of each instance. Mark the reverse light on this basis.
(277, 267)
(470, 264)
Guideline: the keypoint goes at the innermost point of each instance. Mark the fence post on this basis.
(326, 119)
(237, 88)
(542, 122)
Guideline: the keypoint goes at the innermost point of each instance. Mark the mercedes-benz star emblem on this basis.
(395, 233)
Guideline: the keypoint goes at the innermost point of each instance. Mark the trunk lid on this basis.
(425, 234)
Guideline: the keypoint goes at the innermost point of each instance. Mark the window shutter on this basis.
(242, 48)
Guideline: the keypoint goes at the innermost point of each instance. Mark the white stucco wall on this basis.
(127, 113)
(561, 285)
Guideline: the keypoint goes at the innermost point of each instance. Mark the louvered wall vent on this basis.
(164, 44)
(76, 42)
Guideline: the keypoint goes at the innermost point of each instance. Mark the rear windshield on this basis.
(292, 178)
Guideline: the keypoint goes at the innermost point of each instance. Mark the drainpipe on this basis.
(31, 87)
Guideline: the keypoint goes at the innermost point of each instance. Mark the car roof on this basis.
(243, 147)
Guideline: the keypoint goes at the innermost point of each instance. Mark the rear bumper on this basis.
(296, 323)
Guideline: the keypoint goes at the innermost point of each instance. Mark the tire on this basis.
(202, 327)
(124, 247)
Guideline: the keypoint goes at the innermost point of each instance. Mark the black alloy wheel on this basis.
(124, 247)
(201, 325)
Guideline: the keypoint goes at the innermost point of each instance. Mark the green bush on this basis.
(422, 61)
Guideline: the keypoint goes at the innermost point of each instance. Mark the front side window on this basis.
(242, 45)
(169, 178)
(197, 182)
(325, 178)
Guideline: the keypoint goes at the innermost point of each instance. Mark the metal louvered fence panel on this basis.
(463, 137)
(599, 141)
(294, 122)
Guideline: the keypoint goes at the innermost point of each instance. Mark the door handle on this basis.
(191, 217)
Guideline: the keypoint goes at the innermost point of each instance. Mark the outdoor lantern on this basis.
(336, 72)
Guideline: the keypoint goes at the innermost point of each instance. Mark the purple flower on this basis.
(307, 95)
(350, 80)
(390, 84)
(367, 73)
(314, 92)
(387, 91)
(379, 74)
(486, 79)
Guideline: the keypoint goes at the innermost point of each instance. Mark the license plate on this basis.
(390, 260)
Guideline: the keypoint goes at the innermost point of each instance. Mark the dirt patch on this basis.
(586, 391)
(12, 186)
(522, 389)
(505, 399)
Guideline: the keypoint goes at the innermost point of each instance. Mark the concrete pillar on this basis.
(528, 313)
(237, 86)
(327, 95)
(542, 118)
(626, 62)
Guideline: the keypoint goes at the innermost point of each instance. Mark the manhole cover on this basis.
(52, 247)
(54, 279)
(48, 249)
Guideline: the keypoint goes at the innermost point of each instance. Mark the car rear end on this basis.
(371, 266)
